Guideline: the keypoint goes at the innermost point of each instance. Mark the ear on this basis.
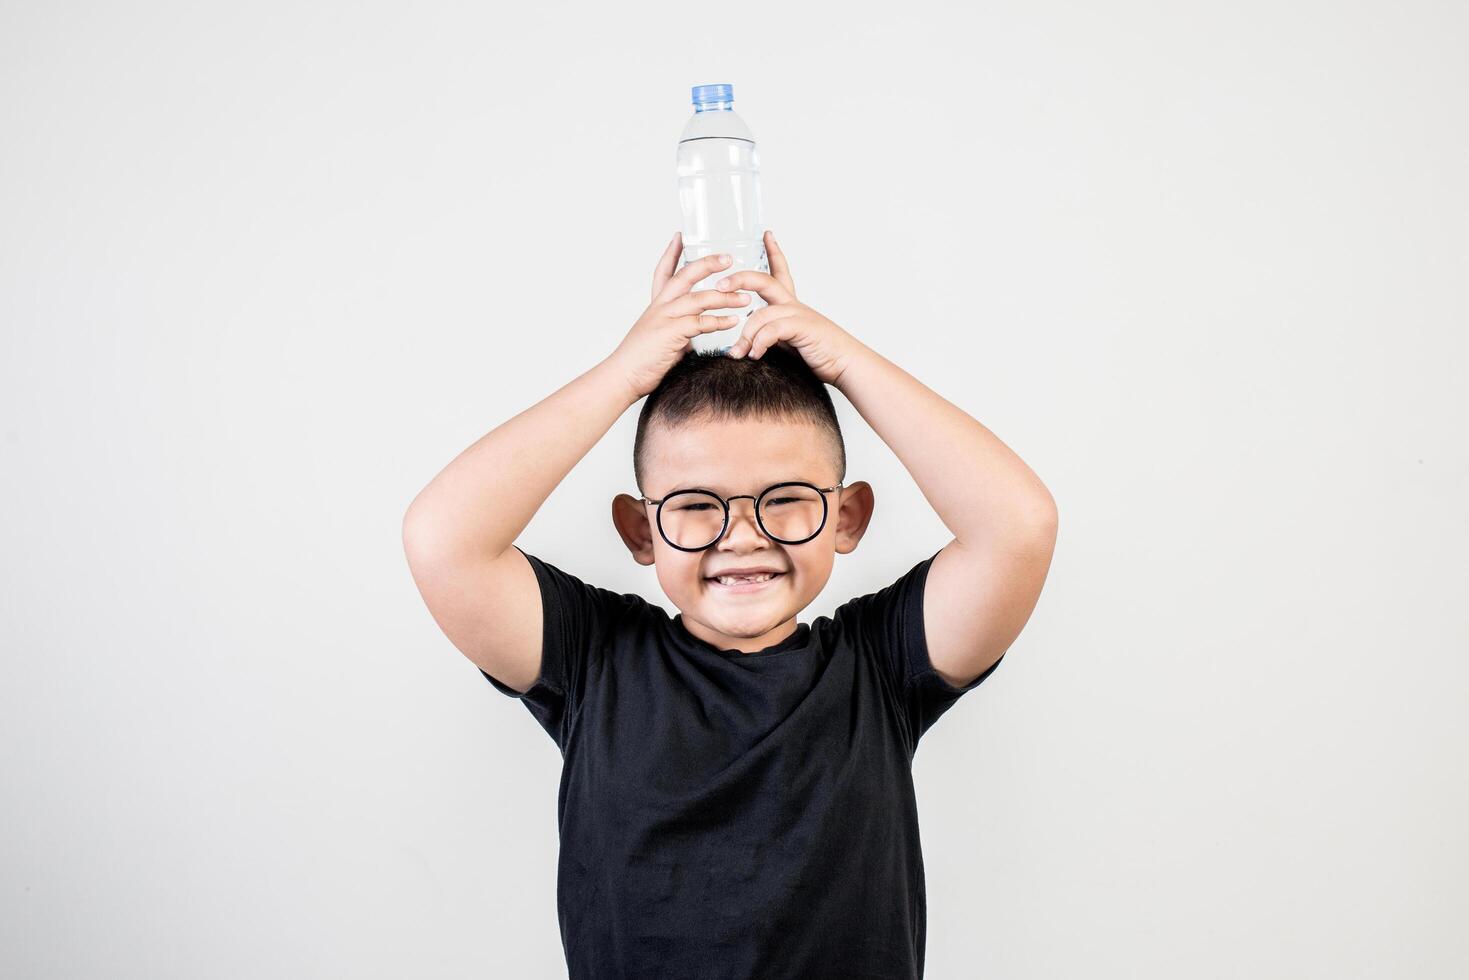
(630, 517)
(852, 515)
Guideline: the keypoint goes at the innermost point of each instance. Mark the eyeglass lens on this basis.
(790, 514)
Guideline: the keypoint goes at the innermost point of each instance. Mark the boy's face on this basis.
(741, 456)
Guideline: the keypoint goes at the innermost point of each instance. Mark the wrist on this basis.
(852, 364)
(609, 372)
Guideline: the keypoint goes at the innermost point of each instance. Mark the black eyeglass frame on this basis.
(724, 501)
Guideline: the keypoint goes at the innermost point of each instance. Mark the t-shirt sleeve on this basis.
(576, 619)
(890, 624)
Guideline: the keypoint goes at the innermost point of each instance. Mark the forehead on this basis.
(737, 455)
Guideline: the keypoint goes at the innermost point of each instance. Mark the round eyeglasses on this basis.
(793, 512)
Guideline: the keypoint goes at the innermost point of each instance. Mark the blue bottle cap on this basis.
(706, 94)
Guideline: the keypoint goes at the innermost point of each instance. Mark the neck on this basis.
(744, 644)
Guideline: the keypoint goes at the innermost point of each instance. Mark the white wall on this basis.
(264, 269)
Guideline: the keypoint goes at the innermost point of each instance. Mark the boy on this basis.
(736, 796)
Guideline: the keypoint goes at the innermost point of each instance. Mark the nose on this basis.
(742, 524)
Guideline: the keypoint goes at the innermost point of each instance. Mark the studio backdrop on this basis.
(266, 268)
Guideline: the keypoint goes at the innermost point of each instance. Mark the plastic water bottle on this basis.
(719, 193)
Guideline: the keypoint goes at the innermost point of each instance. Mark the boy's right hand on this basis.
(665, 331)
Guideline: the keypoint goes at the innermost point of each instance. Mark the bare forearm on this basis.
(482, 501)
(983, 492)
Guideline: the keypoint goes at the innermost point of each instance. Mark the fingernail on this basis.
(725, 260)
(723, 284)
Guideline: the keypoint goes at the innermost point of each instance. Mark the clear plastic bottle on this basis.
(719, 193)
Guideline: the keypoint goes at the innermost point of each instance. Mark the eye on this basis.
(699, 506)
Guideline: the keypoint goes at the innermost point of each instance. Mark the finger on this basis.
(667, 263)
(706, 299)
(685, 278)
(779, 267)
(705, 322)
(765, 336)
(757, 322)
(770, 290)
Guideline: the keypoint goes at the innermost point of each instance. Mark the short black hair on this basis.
(712, 386)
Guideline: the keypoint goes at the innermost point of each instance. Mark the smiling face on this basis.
(742, 456)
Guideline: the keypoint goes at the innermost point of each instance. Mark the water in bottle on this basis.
(719, 193)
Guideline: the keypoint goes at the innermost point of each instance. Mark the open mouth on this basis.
(745, 583)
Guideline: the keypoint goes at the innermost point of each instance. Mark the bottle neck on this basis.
(714, 107)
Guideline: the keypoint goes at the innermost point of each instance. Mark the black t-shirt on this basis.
(736, 815)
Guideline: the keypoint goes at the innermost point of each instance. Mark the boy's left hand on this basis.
(825, 347)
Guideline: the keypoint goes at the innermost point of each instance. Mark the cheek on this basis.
(812, 575)
(816, 564)
(678, 573)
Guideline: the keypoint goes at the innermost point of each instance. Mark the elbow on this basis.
(418, 537)
(1050, 515)
(410, 525)
(1042, 521)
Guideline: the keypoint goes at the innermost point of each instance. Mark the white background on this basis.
(264, 269)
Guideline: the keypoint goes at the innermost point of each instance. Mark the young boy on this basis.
(736, 795)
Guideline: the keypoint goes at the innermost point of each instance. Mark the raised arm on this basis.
(983, 585)
(459, 530)
(478, 505)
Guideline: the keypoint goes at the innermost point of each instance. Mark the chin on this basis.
(748, 623)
